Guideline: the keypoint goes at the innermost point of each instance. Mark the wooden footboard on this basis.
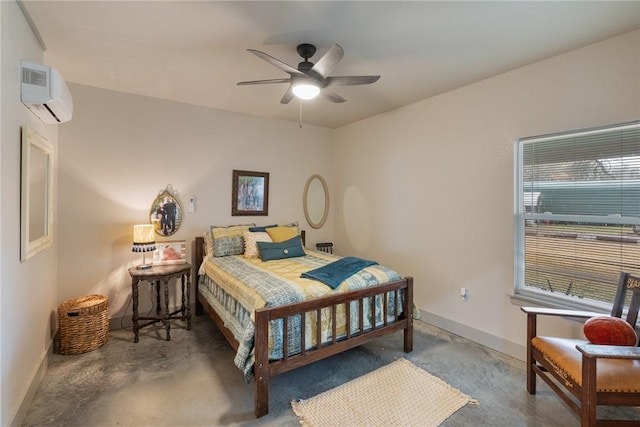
(400, 318)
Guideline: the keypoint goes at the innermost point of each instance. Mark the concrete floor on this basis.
(191, 381)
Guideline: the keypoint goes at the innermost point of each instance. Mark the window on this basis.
(577, 215)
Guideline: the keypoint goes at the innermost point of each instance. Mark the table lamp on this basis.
(144, 241)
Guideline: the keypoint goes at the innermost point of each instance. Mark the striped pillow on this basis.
(229, 240)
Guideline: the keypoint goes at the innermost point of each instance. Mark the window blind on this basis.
(578, 211)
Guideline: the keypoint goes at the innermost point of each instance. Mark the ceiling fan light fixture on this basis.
(309, 79)
(305, 90)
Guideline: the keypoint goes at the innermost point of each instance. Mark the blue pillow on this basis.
(288, 249)
(264, 228)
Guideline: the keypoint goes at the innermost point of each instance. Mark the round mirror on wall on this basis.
(316, 201)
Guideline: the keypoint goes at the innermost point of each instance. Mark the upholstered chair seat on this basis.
(613, 375)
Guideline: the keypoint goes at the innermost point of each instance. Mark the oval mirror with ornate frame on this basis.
(166, 213)
(316, 201)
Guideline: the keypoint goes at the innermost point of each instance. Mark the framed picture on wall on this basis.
(170, 252)
(250, 193)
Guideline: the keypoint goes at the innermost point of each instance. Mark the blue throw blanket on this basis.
(338, 271)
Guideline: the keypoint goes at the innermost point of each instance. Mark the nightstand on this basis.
(160, 275)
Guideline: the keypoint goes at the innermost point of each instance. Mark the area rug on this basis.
(399, 394)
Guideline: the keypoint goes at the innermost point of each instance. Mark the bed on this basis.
(275, 334)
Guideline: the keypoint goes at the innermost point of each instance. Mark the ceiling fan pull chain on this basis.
(300, 119)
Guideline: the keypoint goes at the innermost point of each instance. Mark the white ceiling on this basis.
(195, 51)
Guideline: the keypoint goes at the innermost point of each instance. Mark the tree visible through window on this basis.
(577, 214)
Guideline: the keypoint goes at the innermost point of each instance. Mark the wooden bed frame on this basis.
(264, 368)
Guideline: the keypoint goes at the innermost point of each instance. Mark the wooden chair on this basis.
(585, 375)
(325, 247)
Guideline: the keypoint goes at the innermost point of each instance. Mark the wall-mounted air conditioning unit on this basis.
(45, 93)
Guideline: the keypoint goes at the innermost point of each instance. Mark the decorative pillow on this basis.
(208, 244)
(262, 228)
(279, 250)
(282, 233)
(251, 240)
(605, 330)
(229, 240)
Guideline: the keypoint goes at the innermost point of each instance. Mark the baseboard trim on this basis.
(18, 417)
(481, 337)
(123, 322)
(494, 342)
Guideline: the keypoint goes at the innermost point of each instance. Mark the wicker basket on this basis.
(84, 325)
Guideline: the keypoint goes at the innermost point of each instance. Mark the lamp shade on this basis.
(144, 239)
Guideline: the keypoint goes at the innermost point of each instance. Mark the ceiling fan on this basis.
(309, 79)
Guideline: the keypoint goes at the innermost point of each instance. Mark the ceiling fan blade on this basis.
(263, 82)
(288, 95)
(332, 96)
(276, 62)
(350, 80)
(327, 63)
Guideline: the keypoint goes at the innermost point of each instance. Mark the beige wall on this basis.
(121, 149)
(28, 289)
(433, 197)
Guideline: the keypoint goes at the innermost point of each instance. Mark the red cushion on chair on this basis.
(605, 330)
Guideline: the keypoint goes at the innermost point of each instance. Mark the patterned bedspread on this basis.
(236, 286)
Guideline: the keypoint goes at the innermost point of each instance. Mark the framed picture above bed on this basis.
(250, 193)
